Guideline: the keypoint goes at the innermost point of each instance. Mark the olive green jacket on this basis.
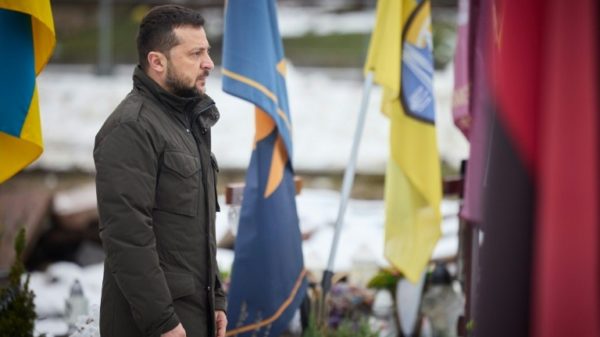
(157, 200)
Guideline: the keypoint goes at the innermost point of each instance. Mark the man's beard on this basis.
(178, 87)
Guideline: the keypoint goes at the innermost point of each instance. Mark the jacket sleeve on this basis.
(126, 168)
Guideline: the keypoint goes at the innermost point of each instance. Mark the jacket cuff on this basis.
(220, 303)
(169, 325)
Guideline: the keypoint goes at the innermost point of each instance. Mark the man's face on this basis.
(188, 63)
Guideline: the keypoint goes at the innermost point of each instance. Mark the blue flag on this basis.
(268, 279)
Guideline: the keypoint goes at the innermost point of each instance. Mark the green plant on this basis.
(470, 325)
(224, 275)
(17, 311)
(385, 279)
(348, 328)
(313, 330)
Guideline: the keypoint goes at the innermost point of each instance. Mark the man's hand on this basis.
(177, 331)
(221, 320)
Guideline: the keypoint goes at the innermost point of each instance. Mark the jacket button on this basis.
(208, 288)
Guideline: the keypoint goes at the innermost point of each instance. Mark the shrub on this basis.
(17, 311)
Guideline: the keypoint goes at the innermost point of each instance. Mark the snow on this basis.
(324, 105)
(53, 285)
(362, 236)
(295, 22)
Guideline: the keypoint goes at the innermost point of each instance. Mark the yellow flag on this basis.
(27, 35)
(400, 55)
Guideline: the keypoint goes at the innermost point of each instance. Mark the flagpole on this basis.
(346, 189)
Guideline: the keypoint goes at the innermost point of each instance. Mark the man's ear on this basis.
(157, 61)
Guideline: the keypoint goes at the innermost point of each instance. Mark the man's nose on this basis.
(207, 63)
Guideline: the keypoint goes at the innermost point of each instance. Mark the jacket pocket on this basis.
(180, 284)
(177, 186)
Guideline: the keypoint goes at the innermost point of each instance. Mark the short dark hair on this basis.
(156, 32)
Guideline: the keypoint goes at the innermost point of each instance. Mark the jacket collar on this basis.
(186, 109)
(206, 113)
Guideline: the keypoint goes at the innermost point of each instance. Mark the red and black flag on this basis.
(540, 264)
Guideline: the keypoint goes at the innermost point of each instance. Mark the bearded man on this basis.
(156, 186)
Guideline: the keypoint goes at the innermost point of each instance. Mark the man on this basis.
(156, 187)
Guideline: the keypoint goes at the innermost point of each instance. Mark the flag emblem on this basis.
(417, 66)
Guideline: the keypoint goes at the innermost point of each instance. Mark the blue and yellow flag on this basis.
(400, 55)
(268, 278)
(27, 37)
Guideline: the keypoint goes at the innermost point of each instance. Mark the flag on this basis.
(503, 303)
(471, 99)
(566, 296)
(27, 35)
(462, 74)
(268, 278)
(400, 55)
(540, 258)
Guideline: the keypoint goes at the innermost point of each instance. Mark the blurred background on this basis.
(325, 42)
